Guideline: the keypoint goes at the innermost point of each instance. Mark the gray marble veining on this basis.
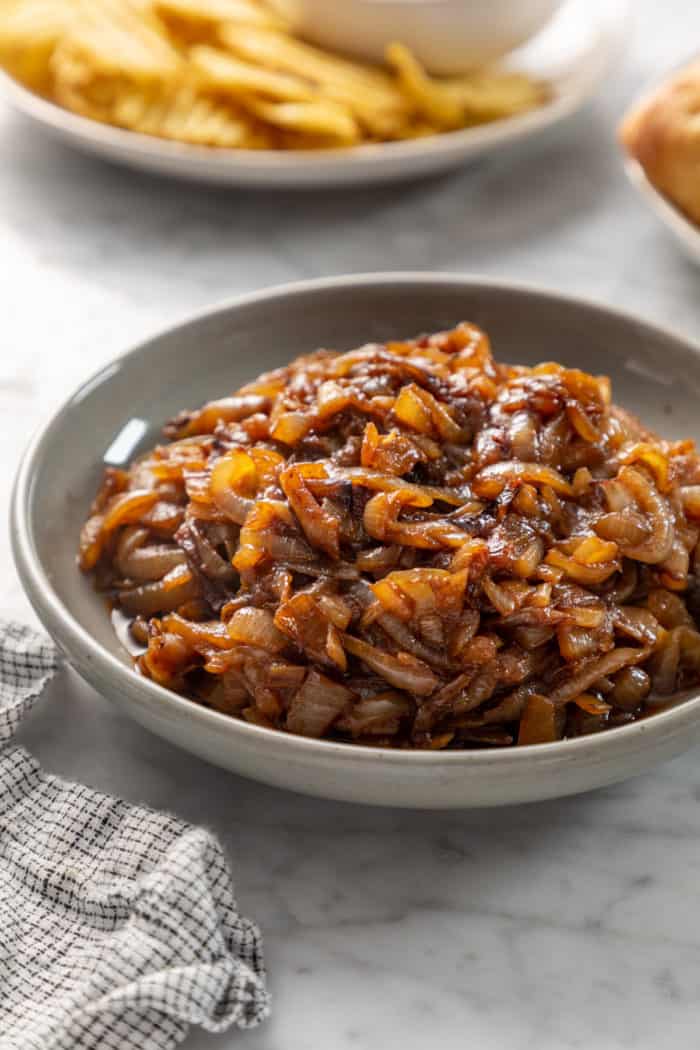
(570, 924)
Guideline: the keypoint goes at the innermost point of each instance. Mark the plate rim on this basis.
(82, 648)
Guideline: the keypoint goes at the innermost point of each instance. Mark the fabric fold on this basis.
(119, 927)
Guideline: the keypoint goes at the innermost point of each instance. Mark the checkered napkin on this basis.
(118, 925)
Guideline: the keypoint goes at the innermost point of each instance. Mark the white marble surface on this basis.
(566, 924)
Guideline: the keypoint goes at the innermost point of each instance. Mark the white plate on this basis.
(574, 53)
(686, 233)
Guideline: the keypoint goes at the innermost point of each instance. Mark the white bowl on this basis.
(448, 36)
(654, 373)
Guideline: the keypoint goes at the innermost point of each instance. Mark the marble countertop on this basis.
(561, 925)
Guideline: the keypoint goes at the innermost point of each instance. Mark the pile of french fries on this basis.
(232, 74)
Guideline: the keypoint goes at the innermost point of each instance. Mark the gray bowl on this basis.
(655, 374)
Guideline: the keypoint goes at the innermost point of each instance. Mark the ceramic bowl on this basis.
(447, 36)
(685, 232)
(654, 373)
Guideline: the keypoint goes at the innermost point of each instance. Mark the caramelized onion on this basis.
(378, 715)
(250, 626)
(657, 546)
(136, 561)
(316, 705)
(409, 674)
(410, 545)
(587, 675)
(176, 588)
(125, 508)
(490, 482)
(541, 722)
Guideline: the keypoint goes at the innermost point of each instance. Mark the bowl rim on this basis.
(74, 638)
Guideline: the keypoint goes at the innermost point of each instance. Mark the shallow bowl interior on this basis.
(654, 374)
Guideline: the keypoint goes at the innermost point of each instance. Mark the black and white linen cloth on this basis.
(118, 925)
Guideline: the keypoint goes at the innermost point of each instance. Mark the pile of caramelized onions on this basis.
(410, 545)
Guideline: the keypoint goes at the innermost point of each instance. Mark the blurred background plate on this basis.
(575, 53)
(685, 232)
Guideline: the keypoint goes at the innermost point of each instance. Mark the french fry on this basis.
(124, 37)
(224, 72)
(455, 102)
(212, 12)
(430, 98)
(29, 32)
(486, 97)
(112, 48)
(322, 118)
(371, 95)
(184, 116)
